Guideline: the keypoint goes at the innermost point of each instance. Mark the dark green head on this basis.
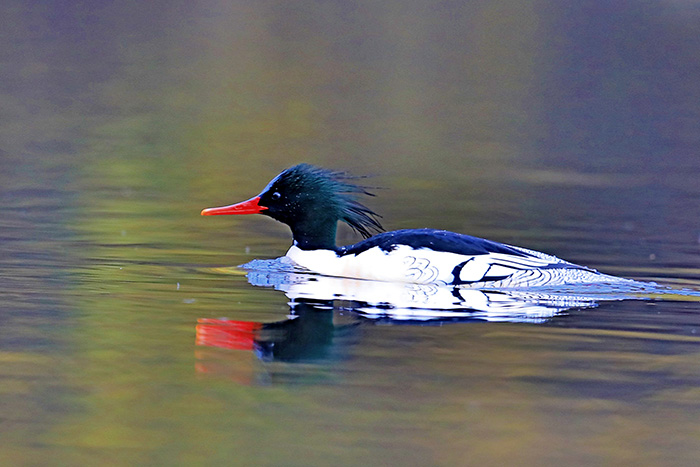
(311, 201)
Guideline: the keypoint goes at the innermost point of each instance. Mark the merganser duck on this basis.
(311, 200)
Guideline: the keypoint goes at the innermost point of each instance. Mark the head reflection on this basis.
(306, 335)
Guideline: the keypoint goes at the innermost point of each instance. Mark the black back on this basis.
(438, 240)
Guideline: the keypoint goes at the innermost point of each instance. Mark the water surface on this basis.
(127, 335)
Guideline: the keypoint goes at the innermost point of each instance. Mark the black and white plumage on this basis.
(312, 200)
(436, 256)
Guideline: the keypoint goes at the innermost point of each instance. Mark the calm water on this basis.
(127, 335)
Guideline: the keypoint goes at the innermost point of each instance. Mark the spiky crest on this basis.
(339, 193)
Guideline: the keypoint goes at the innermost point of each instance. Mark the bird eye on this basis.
(275, 196)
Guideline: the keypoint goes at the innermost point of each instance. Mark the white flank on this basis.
(425, 266)
(402, 264)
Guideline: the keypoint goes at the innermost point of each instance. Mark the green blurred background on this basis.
(569, 127)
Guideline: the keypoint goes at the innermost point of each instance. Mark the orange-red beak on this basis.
(251, 206)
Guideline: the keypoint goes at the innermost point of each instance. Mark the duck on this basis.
(312, 200)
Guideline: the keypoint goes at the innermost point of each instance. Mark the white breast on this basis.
(402, 264)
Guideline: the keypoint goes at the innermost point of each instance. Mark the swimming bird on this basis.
(312, 200)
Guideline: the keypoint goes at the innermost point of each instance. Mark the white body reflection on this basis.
(400, 301)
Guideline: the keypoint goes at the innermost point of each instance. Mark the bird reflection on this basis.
(327, 312)
(422, 303)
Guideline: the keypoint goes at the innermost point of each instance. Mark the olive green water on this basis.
(566, 127)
